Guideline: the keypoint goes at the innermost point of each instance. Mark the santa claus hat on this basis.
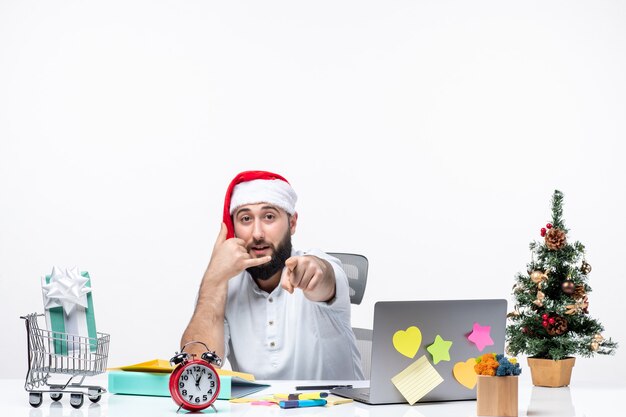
(251, 187)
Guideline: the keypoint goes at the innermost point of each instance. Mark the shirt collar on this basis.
(255, 288)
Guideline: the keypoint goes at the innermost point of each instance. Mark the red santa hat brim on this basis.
(252, 187)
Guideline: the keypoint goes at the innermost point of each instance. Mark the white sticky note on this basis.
(417, 380)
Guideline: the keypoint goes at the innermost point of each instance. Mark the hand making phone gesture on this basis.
(230, 257)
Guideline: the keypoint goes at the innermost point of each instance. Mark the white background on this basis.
(427, 135)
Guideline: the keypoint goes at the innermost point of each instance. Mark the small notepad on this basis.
(417, 380)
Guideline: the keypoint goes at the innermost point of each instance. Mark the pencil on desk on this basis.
(320, 387)
(302, 396)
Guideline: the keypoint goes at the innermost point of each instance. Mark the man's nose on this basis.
(257, 232)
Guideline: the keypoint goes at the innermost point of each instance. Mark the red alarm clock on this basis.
(194, 383)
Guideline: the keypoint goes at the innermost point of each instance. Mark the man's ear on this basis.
(293, 220)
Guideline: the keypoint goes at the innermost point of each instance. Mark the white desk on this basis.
(581, 399)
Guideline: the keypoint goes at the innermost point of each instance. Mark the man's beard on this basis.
(279, 256)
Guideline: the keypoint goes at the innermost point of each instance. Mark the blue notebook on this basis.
(157, 384)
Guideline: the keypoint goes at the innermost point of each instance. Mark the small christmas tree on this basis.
(551, 315)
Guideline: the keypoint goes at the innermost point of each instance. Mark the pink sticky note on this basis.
(262, 403)
(480, 336)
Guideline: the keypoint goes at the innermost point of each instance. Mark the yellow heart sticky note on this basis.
(407, 341)
(465, 374)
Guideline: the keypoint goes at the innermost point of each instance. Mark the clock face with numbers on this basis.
(194, 385)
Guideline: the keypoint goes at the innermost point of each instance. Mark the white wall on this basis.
(428, 136)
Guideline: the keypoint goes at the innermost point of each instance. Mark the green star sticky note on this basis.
(440, 350)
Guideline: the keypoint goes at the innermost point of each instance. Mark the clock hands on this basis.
(186, 366)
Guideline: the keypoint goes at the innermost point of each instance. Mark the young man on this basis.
(275, 312)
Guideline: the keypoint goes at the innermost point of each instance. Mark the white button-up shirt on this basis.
(287, 336)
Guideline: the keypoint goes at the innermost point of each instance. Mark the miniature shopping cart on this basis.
(64, 354)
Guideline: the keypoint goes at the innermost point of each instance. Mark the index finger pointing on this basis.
(285, 281)
(291, 263)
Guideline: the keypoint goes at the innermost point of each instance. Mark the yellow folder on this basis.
(164, 366)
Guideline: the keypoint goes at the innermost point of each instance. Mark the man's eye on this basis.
(244, 219)
(269, 216)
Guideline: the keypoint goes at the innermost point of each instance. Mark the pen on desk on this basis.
(302, 396)
(320, 387)
(301, 403)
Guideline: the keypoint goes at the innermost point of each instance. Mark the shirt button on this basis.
(271, 322)
(272, 344)
(271, 300)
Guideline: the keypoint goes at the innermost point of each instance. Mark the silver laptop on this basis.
(452, 320)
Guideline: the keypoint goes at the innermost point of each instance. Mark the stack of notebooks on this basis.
(152, 378)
